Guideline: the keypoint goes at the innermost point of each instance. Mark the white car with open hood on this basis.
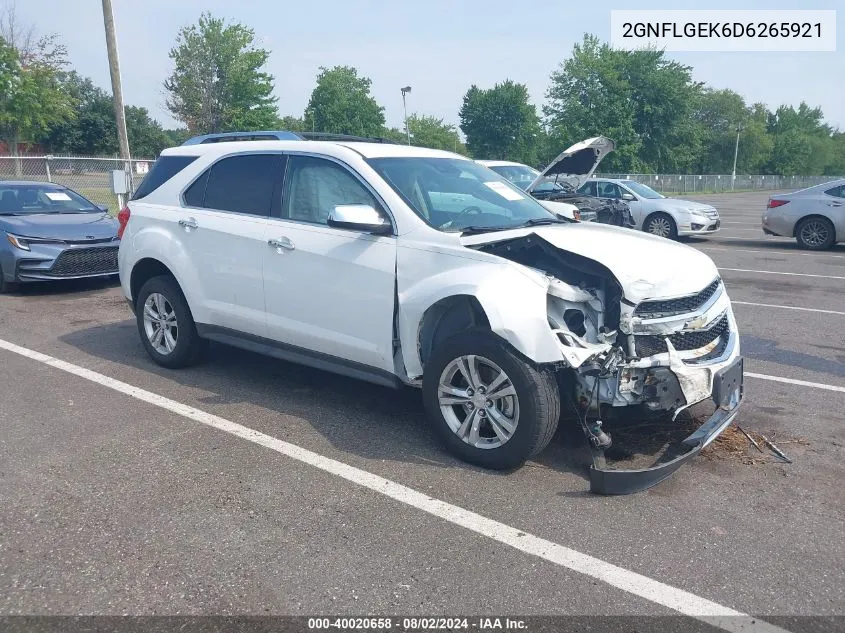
(556, 187)
(410, 266)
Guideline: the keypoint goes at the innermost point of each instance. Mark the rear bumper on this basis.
(727, 395)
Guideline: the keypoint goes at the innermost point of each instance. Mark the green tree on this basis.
(341, 104)
(35, 100)
(640, 99)
(429, 131)
(93, 132)
(292, 124)
(218, 83)
(500, 123)
(803, 142)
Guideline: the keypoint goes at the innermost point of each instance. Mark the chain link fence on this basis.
(90, 177)
(686, 183)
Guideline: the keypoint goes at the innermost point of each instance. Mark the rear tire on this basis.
(661, 225)
(526, 413)
(815, 234)
(166, 326)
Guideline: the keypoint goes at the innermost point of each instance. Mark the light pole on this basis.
(405, 91)
(736, 153)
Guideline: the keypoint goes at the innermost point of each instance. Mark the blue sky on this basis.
(439, 47)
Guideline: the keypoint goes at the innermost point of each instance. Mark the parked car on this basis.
(353, 258)
(815, 216)
(51, 232)
(555, 187)
(655, 213)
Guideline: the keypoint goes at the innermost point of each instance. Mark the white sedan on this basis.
(655, 213)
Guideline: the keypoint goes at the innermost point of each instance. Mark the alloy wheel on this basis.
(160, 324)
(815, 233)
(660, 226)
(478, 401)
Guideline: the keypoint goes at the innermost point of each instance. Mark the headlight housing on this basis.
(18, 242)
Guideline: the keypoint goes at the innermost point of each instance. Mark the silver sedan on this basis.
(815, 216)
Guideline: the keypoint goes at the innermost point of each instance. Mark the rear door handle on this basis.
(190, 223)
(282, 243)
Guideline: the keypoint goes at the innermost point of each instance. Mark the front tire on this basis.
(166, 325)
(486, 405)
(815, 234)
(661, 225)
(6, 286)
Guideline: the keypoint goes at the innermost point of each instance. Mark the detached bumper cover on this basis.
(727, 394)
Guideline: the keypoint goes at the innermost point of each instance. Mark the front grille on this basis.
(674, 307)
(649, 345)
(85, 261)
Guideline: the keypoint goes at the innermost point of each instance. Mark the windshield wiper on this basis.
(541, 221)
(471, 230)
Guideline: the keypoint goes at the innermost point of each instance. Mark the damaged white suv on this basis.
(409, 266)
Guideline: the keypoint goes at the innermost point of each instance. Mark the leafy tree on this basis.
(429, 131)
(292, 124)
(500, 123)
(218, 83)
(341, 104)
(93, 131)
(803, 142)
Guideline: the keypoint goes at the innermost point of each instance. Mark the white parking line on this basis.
(771, 305)
(655, 591)
(756, 250)
(793, 381)
(775, 272)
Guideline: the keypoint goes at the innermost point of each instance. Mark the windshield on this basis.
(643, 191)
(452, 194)
(31, 198)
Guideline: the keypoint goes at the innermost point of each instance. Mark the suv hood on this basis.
(577, 163)
(646, 266)
(61, 226)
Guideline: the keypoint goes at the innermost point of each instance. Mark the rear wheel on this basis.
(815, 234)
(662, 225)
(486, 405)
(166, 325)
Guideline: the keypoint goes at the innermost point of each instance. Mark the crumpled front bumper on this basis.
(727, 394)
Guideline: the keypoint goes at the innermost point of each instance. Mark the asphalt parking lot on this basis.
(111, 504)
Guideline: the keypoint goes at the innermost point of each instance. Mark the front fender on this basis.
(513, 299)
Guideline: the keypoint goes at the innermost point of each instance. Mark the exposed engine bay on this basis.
(661, 354)
(606, 210)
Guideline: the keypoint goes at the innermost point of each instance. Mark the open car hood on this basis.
(576, 163)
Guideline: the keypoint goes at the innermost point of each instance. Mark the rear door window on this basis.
(243, 184)
(163, 170)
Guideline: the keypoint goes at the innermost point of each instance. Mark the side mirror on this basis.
(102, 207)
(359, 217)
(628, 196)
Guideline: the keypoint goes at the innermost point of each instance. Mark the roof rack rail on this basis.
(260, 135)
(328, 136)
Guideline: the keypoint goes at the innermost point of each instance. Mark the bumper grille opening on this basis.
(674, 307)
(648, 345)
(85, 261)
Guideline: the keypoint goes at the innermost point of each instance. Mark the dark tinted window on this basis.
(588, 188)
(163, 170)
(315, 186)
(243, 184)
(196, 192)
(837, 192)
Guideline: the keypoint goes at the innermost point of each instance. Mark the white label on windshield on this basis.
(503, 190)
(55, 196)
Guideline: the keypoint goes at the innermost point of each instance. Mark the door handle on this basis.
(190, 223)
(282, 243)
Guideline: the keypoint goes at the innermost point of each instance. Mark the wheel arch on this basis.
(447, 317)
(144, 270)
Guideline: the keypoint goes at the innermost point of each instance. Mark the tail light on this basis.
(776, 203)
(123, 219)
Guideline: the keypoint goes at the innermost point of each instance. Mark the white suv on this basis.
(409, 266)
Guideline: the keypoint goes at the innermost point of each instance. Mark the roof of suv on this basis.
(367, 150)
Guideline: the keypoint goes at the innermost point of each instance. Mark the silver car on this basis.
(655, 213)
(815, 216)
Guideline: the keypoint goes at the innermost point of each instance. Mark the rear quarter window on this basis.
(163, 170)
